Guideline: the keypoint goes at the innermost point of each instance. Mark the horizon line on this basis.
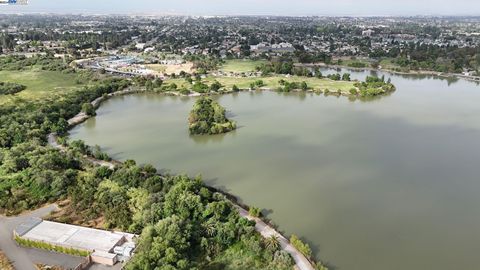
(146, 14)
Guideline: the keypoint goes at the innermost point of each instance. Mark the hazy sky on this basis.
(255, 7)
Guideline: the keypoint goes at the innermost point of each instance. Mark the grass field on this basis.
(157, 68)
(387, 63)
(349, 62)
(39, 83)
(272, 82)
(239, 66)
(169, 69)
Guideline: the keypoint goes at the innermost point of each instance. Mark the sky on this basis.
(253, 7)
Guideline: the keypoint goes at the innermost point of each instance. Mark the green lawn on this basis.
(239, 65)
(39, 83)
(387, 63)
(272, 82)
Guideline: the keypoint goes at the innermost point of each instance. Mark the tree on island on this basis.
(208, 117)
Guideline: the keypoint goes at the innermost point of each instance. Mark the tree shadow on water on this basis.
(217, 138)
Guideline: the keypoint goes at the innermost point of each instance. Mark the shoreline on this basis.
(419, 72)
(262, 226)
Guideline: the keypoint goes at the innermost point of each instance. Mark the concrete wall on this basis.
(103, 260)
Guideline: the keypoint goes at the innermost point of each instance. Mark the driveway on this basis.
(25, 258)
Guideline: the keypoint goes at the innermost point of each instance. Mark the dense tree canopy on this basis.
(183, 224)
(208, 117)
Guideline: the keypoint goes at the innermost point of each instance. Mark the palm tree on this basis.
(210, 228)
(272, 242)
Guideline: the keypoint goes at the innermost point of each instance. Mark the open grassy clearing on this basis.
(157, 68)
(353, 62)
(239, 65)
(237, 257)
(272, 82)
(387, 63)
(40, 83)
(169, 69)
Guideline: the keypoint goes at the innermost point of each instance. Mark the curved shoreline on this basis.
(261, 226)
(413, 73)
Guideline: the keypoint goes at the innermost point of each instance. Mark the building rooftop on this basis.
(70, 235)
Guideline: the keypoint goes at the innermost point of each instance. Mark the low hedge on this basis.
(50, 247)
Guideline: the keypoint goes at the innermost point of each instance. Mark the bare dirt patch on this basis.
(5, 263)
(68, 213)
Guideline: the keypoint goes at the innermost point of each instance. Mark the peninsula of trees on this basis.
(208, 117)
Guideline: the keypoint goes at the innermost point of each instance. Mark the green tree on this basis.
(61, 127)
(163, 246)
(346, 77)
(304, 86)
(254, 211)
(113, 199)
(88, 109)
(272, 243)
(208, 117)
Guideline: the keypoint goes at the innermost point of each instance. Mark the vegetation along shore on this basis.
(33, 173)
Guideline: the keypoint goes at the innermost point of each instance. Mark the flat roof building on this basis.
(100, 242)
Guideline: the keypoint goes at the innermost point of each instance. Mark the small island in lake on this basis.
(208, 117)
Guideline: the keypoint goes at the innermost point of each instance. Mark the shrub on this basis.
(304, 86)
(254, 211)
(334, 77)
(88, 109)
(282, 260)
(300, 246)
(215, 86)
(185, 91)
(346, 77)
(7, 88)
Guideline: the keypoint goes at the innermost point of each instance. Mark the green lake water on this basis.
(387, 184)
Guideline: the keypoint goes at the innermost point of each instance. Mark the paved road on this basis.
(17, 255)
(24, 258)
(266, 231)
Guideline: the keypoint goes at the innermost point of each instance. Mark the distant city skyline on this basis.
(255, 7)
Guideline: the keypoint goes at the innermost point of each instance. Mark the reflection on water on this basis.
(385, 183)
(92, 122)
(203, 139)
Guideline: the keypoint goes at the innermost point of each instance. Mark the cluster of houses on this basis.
(264, 47)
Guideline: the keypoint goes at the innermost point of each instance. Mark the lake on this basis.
(392, 183)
